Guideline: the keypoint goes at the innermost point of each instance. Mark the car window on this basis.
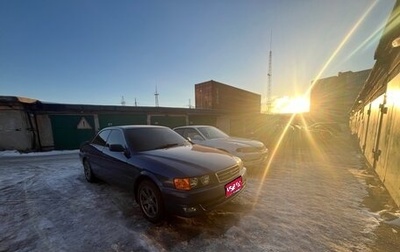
(144, 139)
(116, 137)
(101, 138)
(211, 132)
(193, 134)
(180, 132)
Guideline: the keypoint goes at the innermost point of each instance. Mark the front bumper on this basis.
(252, 160)
(195, 202)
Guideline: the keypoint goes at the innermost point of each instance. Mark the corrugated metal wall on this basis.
(370, 141)
(388, 163)
(378, 130)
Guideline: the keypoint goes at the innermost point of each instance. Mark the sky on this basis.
(96, 52)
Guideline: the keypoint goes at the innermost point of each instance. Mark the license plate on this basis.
(233, 187)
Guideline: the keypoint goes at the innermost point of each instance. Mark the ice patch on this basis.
(395, 222)
(370, 225)
(360, 173)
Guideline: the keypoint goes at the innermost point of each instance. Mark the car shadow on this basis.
(119, 206)
(213, 224)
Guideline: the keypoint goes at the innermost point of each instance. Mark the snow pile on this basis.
(14, 153)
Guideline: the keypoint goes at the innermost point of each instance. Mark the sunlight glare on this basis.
(292, 105)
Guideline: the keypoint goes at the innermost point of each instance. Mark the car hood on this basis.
(235, 141)
(190, 160)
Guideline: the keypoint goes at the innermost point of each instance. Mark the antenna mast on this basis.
(269, 101)
(156, 97)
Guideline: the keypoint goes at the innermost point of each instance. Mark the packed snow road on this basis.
(322, 199)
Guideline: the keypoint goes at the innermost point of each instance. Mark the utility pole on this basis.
(123, 101)
(135, 102)
(269, 101)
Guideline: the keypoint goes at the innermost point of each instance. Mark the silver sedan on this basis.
(252, 152)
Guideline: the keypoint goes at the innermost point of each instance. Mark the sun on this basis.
(297, 104)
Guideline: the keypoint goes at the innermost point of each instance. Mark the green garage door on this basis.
(169, 121)
(202, 120)
(107, 120)
(69, 131)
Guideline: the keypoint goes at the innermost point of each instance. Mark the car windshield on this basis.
(212, 133)
(144, 139)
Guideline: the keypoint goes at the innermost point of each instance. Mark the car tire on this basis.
(150, 201)
(87, 169)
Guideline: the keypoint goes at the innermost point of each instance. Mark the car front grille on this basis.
(228, 174)
(256, 149)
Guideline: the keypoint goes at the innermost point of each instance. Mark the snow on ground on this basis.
(14, 153)
(323, 199)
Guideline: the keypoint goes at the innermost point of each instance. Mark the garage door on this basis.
(69, 131)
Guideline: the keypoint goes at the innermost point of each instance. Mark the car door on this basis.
(96, 156)
(118, 170)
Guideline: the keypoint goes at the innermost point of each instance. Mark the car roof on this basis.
(193, 126)
(133, 127)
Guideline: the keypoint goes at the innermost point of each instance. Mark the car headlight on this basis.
(239, 161)
(191, 183)
(205, 180)
(247, 149)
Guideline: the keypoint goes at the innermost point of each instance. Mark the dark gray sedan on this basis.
(165, 172)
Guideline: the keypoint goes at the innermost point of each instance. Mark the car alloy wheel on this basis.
(88, 172)
(150, 201)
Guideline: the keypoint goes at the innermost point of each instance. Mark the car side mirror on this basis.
(119, 148)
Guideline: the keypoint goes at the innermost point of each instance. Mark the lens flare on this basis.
(341, 45)
(311, 139)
